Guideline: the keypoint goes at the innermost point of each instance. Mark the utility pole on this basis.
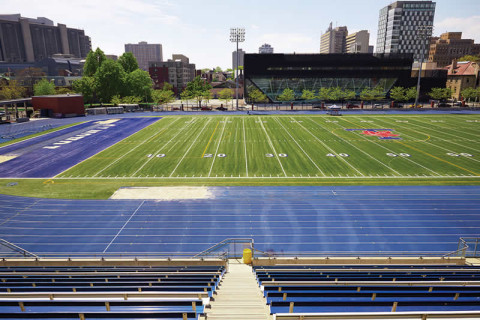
(423, 33)
(237, 35)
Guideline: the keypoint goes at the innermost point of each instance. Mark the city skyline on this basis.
(195, 29)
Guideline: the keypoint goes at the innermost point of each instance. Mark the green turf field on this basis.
(297, 148)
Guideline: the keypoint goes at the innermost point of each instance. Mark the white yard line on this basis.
(271, 146)
(141, 204)
(367, 154)
(316, 166)
(435, 145)
(56, 176)
(437, 137)
(389, 150)
(143, 142)
(330, 149)
(218, 146)
(193, 143)
(245, 144)
(156, 152)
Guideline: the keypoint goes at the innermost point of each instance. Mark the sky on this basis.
(200, 29)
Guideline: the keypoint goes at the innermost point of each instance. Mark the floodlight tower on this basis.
(423, 33)
(237, 35)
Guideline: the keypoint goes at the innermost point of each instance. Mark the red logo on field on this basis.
(380, 134)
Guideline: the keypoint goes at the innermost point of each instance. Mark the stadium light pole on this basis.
(423, 33)
(237, 35)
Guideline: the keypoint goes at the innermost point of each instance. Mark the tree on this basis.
(110, 79)
(63, 90)
(218, 69)
(28, 76)
(287, 95)
(411, 93)
(197, 89)
(256, 96)
(398, 94)
(86, 86)
(440, 93)
(128, 62)
(324, 94)
(349, 94)
(470, 58)
(139, 84)
(308, 94)
(44, 88)
(185, 96)
(470, 94)
(226, 95)
(335, 94)
(372, 94)
(116, 100)
(93, 62)
(13, 90)
(163, 96)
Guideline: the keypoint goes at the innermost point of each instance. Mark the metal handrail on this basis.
(16, 248)
(223, 243)
(463, 247)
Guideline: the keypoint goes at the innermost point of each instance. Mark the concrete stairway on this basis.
(239, 296)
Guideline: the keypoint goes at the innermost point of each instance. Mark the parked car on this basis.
(415, 106)
(221, 109)
(351, 106)
(205, 108)
(377, 105)
(397, 105)
(443, 105)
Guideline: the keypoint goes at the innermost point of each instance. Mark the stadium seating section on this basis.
(326, 288)
(107, 292)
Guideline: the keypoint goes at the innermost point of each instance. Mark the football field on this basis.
(297, 147)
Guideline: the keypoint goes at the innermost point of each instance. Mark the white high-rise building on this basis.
(358, 42)
(265, 48)
(399, 24)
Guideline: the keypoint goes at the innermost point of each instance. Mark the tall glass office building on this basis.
(399, 25)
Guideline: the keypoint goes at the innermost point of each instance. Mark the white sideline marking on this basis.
(278, 177)
(273, 148)
(123, 226)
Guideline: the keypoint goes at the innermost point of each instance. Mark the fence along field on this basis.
(294, 147)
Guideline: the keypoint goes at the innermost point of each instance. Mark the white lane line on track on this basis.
(108, 246)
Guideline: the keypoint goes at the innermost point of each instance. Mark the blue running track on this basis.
(326, 220)
(50, 154)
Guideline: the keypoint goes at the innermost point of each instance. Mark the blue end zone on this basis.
(290, 220)
(50, 154)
